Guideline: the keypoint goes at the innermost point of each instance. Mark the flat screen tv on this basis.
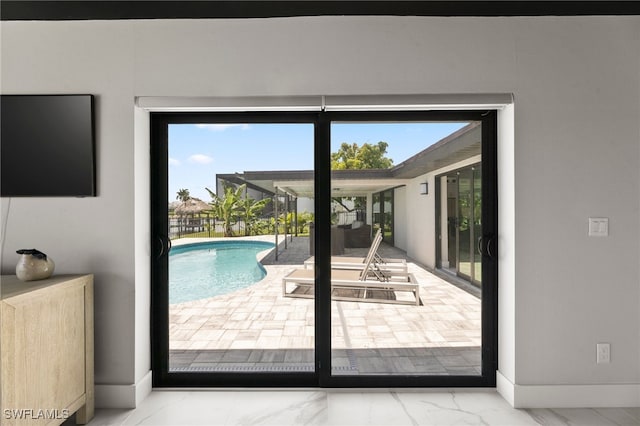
(47, 146)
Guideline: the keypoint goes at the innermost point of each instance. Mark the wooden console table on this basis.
(46, 371)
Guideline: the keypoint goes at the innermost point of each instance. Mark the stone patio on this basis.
(257, 329)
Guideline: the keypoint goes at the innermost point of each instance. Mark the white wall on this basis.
(507, 249)
(305, 205)
(576, 153)
(421, 210)
(400, 218)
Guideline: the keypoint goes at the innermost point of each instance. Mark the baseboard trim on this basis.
(505, 388)
(123, 396)
(568, 396)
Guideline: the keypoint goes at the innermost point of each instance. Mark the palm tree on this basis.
(234, 205)
(184, 196)
(250, 209)
(227, 208)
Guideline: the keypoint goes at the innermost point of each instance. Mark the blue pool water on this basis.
(201, 270)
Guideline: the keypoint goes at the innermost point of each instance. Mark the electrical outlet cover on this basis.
(598, 226)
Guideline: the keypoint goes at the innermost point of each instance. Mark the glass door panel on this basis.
(465, 223)
(452, 221)
(377, 216)
(238, 224)
(389, 315)
(477, 224)
(387, 217)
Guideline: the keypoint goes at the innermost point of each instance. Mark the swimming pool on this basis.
(201, 270)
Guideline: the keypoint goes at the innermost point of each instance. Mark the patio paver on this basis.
(257, 329)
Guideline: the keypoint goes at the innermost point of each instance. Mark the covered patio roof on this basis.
(458, 146)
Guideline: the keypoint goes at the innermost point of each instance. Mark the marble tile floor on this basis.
(350, 407)
(257, 329)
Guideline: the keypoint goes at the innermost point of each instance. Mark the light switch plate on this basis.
(603, 353)
(598, 226)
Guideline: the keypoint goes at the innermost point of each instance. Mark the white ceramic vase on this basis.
(34, 265)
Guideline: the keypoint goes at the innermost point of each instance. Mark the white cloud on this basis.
(200, 159)
(221, 127)
(174, 162)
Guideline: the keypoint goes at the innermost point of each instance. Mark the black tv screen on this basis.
(47, 146)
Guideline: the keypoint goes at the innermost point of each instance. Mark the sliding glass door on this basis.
(232, 216)
(390, 316)
(462, 248)
(293, 249)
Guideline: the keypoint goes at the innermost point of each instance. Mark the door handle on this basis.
(165, 245)
(486, 245)
(161, 247)
(489, 251)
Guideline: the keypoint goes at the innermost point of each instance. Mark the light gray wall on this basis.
(84, 235)
(576, 85)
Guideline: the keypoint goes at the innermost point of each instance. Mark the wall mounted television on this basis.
(47, 146)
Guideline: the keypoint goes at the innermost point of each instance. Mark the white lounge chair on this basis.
(366, 285)
(351, 262)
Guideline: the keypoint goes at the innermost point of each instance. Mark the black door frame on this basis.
(322, 150)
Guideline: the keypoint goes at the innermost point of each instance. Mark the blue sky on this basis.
(197, 152)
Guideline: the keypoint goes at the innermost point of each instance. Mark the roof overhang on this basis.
(457, 147)
(339, 187)
(301, 183)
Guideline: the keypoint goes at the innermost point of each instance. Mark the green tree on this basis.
(367, 156)
(228, 207)
(354, 157)
(250, 210)
(183, 195)
(304, 219)
(235, 205)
